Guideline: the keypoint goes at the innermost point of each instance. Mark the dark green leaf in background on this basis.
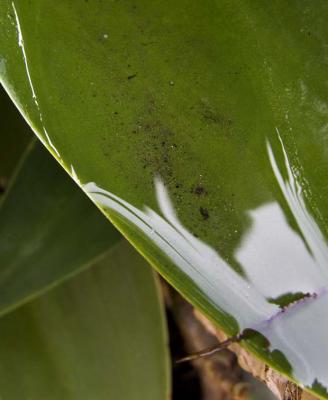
(14, 137)
(101, 335)
(48, 229)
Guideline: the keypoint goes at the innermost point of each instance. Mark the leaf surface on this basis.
(200, 130)
(49, 230)
(101, 335)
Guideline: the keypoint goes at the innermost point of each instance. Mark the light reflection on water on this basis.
(225, 287)
(275, 259)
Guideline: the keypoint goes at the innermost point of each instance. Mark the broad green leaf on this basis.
(200, 129)
(49, 230)
(101, 335)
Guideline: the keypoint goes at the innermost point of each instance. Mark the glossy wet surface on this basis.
(201, 129)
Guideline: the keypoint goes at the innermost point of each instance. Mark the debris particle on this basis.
(204, 213)
(199, 190)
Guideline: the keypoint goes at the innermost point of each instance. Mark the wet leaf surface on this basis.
(201, 131)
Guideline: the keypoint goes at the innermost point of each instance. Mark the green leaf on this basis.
(49, 230)
(101, 335)
(200, 130)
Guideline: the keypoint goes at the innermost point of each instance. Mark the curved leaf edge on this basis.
(211, 312)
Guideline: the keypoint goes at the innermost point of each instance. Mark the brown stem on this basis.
(209, 351)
